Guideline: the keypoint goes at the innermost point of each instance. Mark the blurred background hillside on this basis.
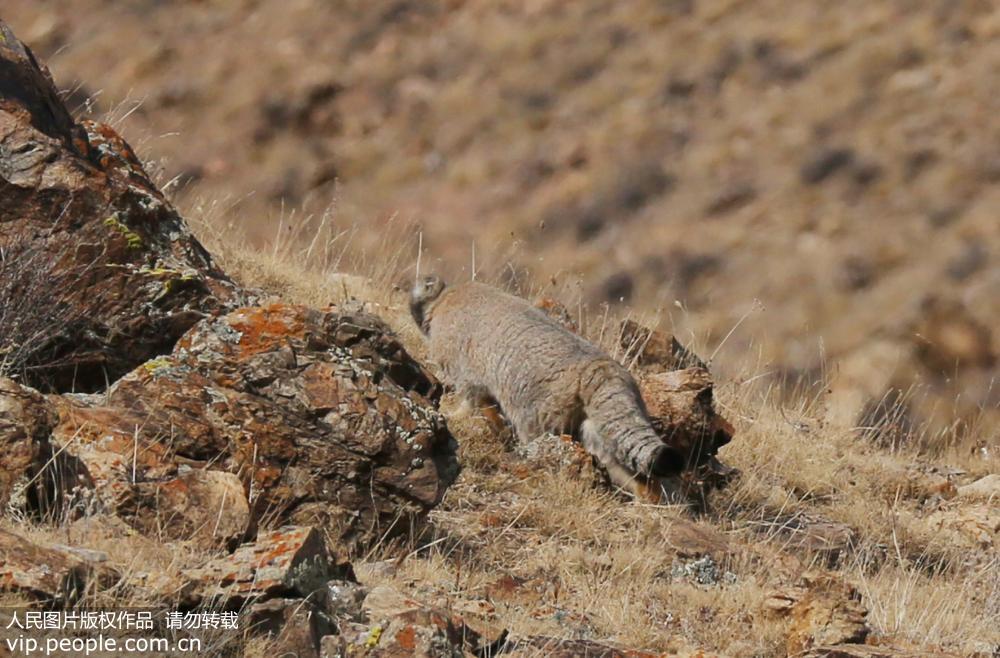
(822, 176)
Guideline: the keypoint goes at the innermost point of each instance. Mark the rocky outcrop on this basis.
(398, 625)
(212, 425)
(321, 416)
(290, 561)
(206, 506)
(99, 272)
(34, 474)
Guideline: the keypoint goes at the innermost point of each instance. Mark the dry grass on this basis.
(593, 564)
(600, 566)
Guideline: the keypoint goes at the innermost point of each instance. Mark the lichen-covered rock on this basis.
(296, 626)
(401, 627)
(322, 415)
(35, 476)
(822, 610)
(55, 575)
(99, 271)
(290, 561)
(26, 420)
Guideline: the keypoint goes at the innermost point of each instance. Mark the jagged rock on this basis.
(399, 626)
(321, 414)
(296, 625)
(823, 611)
(55, 575)
(111, 453)
(209, 507)
(35, 476)
(290, 561)
(678, 391)
(26, 420)
(99, 272)
(681, 408)
(344, 599)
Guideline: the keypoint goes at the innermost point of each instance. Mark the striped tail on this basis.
(615, 413)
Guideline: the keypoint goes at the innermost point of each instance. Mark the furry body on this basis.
(546, 379)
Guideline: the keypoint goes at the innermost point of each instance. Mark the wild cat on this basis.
(492, 345)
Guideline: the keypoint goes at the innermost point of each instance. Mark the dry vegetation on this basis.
(593, 564)
(601, 566)
(598, 564)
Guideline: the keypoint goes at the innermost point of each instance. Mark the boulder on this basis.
(99, 273)
(322, 415)
(292, 561)
(54, 575)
